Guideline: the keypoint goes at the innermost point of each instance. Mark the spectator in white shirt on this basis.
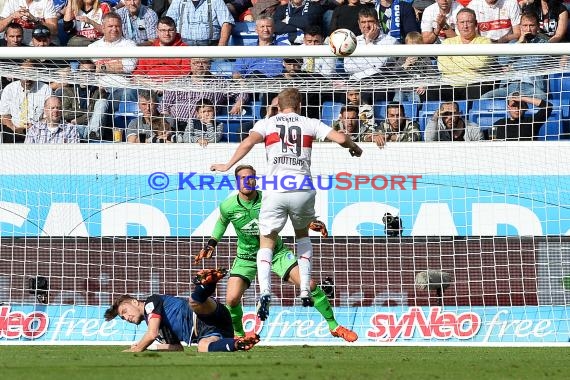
(363, 67)
(28, 13)
(439, 21)
(113, 37)
(21, 104)
(498, 20)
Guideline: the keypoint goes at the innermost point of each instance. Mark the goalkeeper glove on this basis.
(318, 226)
(206, 252)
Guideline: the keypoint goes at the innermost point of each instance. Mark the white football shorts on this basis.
(276, 207)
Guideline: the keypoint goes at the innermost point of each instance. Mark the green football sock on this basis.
(236, 313)
(324, 307)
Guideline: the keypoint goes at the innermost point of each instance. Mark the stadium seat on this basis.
(330, 112)
(222, 68)
(495, 104)
(556, 126)
(243, 34)
(559, 89)
(554, 83)
(126, 112)
(234, 125)
(339, 66)
(485, 112)
(552, 129)
(565, 89)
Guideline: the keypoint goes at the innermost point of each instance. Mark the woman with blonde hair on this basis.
(82, 21)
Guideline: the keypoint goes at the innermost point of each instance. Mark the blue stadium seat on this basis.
(126, 112)
(495, 104)
(243, 34)
(339, 63)
(231, 132)
(330, 112)
(235, 124)
(485, 112)
(554, 83)
(380, 111)
(553, 128)
(256, 109)
(222, 68)
(556, 126)
(565, 89)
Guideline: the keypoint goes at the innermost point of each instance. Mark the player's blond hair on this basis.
(289, 98)
(414, 38)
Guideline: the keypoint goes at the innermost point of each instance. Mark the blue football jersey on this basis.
(176, 317)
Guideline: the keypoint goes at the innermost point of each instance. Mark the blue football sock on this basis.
(202, 292)
(224, 345)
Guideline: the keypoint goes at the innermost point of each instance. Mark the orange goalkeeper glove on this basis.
(206, 252)
(318, 226)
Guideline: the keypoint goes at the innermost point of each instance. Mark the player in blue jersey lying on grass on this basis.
(242, 211)
(172, 320)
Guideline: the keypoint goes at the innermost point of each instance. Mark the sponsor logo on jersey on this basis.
(251, 228)
(149, 307)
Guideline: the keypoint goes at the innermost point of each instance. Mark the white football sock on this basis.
(264, 259)
(305, 256)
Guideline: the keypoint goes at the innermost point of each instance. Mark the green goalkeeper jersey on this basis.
(244, 216)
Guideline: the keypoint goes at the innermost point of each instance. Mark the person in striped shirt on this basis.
(52, 129)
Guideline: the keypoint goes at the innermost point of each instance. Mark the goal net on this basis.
(434, 238)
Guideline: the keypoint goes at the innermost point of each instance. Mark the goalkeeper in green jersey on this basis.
(242, 210)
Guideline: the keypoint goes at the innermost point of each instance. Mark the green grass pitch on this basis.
(291, 362)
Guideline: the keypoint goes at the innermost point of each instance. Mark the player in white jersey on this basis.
(288, 139)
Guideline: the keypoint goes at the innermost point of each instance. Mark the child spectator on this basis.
(161, 131)
(204, 129)
(411, 68)
(365, 109)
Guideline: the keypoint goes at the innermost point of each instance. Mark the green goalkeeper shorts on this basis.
(283, 262)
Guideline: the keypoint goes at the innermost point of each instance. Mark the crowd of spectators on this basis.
(57, 112)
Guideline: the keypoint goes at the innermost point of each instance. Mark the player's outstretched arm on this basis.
(149, 336)
(345, 141)
(244, 147)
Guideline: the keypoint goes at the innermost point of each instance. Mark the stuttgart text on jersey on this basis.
(289, 161)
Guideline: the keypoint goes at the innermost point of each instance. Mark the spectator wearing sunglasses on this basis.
(447, 124)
